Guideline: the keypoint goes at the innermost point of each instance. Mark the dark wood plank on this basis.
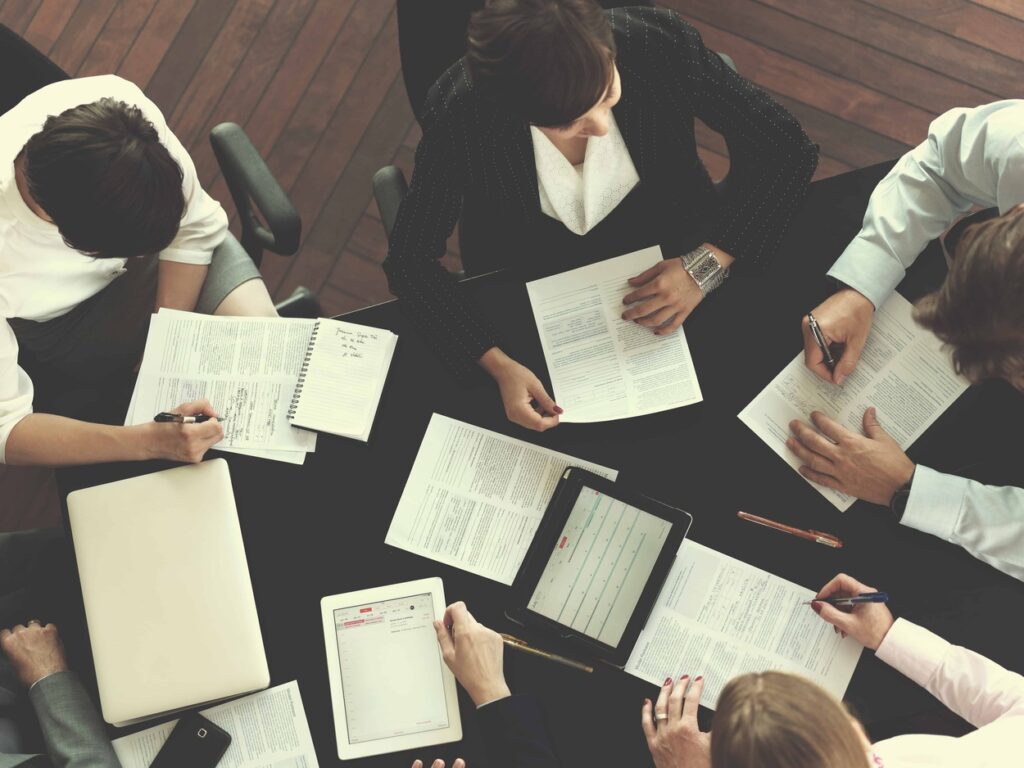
(360, 277)
(981, 26)
(373, 149)
(334, 301)
(1012, 8)
(141, 62)
(185, 55)
(81, 32)
(846, 57)
(822, 90)
(118, 35)
(280, 98)
(17, 14)
(48, 23)
(317, 143)
(224, 58)
(911, 41)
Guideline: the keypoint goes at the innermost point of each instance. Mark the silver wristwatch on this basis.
(704, 268)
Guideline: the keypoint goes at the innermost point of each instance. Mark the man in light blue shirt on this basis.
(972, 157)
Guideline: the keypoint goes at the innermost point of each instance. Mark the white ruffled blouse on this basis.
(581, 196)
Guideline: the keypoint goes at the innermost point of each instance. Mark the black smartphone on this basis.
(195, 742)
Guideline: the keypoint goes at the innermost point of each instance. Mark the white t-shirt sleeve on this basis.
(204, 223)
(15, 387)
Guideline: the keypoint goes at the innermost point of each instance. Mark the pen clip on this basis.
(823, 535)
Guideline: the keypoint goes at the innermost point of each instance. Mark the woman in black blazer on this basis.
(569, 68)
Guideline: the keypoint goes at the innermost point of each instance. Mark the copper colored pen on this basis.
(817, 536)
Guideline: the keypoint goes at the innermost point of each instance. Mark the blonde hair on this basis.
(779, 720)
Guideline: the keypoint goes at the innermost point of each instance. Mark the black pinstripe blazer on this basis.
(473, 148)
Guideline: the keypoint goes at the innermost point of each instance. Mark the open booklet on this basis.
(903, 372)
(266, 377)
(720, 617)
(268, 730)
(475, 498)
(601, 366)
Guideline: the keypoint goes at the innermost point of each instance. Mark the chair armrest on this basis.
(389, 189)
(251, 183)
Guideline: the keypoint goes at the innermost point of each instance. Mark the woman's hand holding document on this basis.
(903, 382)
(603, 367)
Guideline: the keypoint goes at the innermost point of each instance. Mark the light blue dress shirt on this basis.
(971, 157)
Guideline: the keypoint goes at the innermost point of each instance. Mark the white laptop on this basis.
(168, 601)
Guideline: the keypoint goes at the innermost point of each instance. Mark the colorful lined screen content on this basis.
(600, 566)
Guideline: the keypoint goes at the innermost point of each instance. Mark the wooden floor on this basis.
(317, 85)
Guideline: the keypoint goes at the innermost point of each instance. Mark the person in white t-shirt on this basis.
(782, 720)
(102, 222)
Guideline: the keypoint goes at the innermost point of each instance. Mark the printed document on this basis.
(268, 730)
(719, 617)
(475, 498)
(601, 366)
(903, 372)
(246, 367)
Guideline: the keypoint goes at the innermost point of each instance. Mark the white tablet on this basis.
(390, 687)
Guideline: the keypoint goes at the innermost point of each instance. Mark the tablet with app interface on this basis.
(390, 688)
(595, 568)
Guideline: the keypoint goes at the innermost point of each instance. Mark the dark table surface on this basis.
(319, 529)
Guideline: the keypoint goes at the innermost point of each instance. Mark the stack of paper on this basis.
(268, 730)
(247, 367)
(475, 498)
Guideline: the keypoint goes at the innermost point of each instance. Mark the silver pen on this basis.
(819, 337)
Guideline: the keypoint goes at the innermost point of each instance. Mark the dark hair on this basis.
(548, 61)
(100, 172)
(978, 311)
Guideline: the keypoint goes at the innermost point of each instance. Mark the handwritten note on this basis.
(344, 377)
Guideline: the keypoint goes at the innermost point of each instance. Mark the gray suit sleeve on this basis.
(75, 735)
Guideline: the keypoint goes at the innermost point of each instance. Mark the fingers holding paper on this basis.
(871, 466)
(867, 623)
(527, 403)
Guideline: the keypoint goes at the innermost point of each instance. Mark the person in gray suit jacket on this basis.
(33, 661)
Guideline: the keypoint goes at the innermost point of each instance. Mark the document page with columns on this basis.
(903, 372)
(601, 366)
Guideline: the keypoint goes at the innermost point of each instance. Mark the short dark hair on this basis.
(548, 61)
(979, 311)
(100, 172)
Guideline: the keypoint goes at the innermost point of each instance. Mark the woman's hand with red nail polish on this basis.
(670, 725)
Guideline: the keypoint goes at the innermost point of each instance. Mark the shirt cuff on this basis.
(46, 677)
(869, 270)
(936, 502)
(913, 651)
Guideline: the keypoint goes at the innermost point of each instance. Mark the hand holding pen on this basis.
(867, 618)
(835, 333)
(184, 434)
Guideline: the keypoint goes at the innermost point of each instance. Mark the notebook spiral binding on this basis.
(293, 406)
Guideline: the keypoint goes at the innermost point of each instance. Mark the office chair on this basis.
(245, 172)
(390, 186)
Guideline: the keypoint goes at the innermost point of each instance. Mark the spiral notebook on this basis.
(342, 378)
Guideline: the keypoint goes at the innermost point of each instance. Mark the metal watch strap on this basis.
(705, 269)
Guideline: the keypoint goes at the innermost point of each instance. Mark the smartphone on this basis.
(195, 742)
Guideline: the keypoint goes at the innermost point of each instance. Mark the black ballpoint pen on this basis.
(819, 337)
(177, 418)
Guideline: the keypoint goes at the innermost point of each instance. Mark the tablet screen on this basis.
(600, 565)
(391, 668)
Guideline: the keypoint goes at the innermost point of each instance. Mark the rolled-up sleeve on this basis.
(971, 157)
(16, 390)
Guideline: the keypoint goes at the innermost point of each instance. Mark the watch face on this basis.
(704, 269)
